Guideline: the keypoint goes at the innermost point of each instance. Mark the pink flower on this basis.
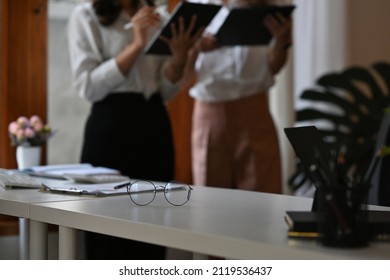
(29, 132)
(19, 134)
(22, 120)
(38, 125)
(13, 127)
(35, 119)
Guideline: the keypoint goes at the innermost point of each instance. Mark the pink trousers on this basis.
(235, 145)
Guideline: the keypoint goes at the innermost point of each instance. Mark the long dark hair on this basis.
(107, 11)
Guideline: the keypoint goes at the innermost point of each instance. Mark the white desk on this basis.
(16, 203)
(228, 223)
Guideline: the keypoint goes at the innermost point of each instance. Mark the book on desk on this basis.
(305, 223)
(80, 173)
(83, 173)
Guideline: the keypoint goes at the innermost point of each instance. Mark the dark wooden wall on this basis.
(23, 75)
(23, 78)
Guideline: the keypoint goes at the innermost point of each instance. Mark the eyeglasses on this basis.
(143, 192)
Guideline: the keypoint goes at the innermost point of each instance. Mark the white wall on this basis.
(66, 111)
(368, 31)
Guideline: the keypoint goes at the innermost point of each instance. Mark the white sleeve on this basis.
(92, 77)
(168, 89)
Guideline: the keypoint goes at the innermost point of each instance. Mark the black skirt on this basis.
(133, 135)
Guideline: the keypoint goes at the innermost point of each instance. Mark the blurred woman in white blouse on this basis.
(234, 140)
(128, 128)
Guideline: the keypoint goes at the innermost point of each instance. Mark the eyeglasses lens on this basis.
(177, 193)
(142, 192)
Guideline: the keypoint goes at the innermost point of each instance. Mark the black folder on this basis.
(244, 26)
(204, 12)
(309, 147)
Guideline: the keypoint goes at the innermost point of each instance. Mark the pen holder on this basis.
(343, 220)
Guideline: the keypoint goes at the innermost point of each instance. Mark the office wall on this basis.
(66, 111)
(368, 31)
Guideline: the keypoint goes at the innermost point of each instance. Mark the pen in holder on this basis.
(343, 220)
(342, 203)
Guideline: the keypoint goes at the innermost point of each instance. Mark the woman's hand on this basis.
(183, 39)
(207, 43)
(280, 28)
(142, 21)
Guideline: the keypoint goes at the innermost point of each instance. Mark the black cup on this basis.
(343, 221)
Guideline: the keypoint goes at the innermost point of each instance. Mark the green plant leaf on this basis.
(356, 100)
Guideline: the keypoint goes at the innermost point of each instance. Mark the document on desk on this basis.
(81, 168)
(106, 189)
(80, 173)
(58, 168)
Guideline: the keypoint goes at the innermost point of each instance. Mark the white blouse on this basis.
(230, 73)
(93, 48)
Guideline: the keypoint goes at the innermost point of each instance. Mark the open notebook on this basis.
(237, 26)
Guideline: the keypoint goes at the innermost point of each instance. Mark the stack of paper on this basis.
(87, 189)
(83, 172)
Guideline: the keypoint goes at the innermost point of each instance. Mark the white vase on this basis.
(27, 157)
